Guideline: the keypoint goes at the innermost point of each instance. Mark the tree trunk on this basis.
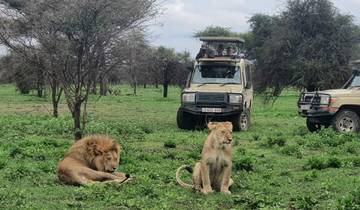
(55, 96)
(134, 87)
(93, 88)
(165, 93)
(156, 84)
(103, 85)
(55, 103)
(144, 85)
(55, 110)
(77, 121)
(40, 83)
(39, 92)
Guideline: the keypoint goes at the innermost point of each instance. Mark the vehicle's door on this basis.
(248, 93)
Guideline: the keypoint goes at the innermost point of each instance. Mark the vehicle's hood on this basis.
(341, 92)
(215, 88)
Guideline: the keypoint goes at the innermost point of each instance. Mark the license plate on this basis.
(212, 110)
(305, 107)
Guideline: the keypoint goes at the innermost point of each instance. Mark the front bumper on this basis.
(315, 111)
(310, 105)
(226, 110)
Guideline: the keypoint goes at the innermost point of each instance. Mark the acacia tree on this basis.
(309, 46)
(84, 32)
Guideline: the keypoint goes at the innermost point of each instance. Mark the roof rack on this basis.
(222, 39)
(356, 62)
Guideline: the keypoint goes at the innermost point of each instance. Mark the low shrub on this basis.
(320, 163)
(333, 162)
(292, 150)
(328, 138)
(305, 202)
(244, 164)
(170, 144)
(277, 140)
(317, 163)
(350, 201)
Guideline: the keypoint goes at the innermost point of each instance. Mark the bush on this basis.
(305, 202)
(320, 163)
(352, 162)
(291, 150)
(277, 140)
(328, 137)
(333, 162)
(350, 201)
(256, 137)
(244, 164)
(170, 144)
(301, 131)
(351, 147)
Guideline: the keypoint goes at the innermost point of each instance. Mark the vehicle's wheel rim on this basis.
(243, 121)
(346, 124)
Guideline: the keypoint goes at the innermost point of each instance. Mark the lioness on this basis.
(214, 169)
(93, 158)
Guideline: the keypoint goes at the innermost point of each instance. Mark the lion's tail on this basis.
(181, 183)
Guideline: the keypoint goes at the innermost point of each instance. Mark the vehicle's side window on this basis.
(248, 76)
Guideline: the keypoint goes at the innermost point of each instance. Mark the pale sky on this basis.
(181, 18)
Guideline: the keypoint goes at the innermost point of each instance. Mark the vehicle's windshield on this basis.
(218, 74)
(355, 81)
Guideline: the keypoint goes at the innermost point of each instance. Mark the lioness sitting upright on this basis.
(93, 158)
(214, 169)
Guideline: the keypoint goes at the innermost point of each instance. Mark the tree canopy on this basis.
(309, 46)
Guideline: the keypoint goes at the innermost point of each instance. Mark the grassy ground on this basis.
(277, 163)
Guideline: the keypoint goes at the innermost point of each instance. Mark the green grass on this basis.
(278, 164)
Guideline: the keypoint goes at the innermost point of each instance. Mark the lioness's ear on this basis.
(212, 125)
(228, 125)
(93, 148)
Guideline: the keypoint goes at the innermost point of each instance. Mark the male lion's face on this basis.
(108, 161)
(222, 131)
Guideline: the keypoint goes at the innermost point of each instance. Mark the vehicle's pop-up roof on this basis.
(214, 47)
(356, 65)
(209, 39)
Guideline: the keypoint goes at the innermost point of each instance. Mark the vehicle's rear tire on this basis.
(346, 121)
(185, 120)
(242, 122)
(312, 126)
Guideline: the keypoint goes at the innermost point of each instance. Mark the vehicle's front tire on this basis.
(346, 121)
(185, 120)
(312, 126)
(241, 122)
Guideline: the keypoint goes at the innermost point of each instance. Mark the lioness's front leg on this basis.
(196, 176)
(205, 178)
(225, 183)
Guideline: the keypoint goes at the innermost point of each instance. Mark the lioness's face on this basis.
(223, 131)
(108, 161)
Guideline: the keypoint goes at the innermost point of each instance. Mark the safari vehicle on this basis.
(339, 108)
(219, 87)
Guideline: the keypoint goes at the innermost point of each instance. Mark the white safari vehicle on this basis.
(339, 108)
(219, 86)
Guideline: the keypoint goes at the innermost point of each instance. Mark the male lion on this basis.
(93, 158)
(214, 169)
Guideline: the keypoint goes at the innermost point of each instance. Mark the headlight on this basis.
(235, 98)
(188, 97)
(324, 99)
